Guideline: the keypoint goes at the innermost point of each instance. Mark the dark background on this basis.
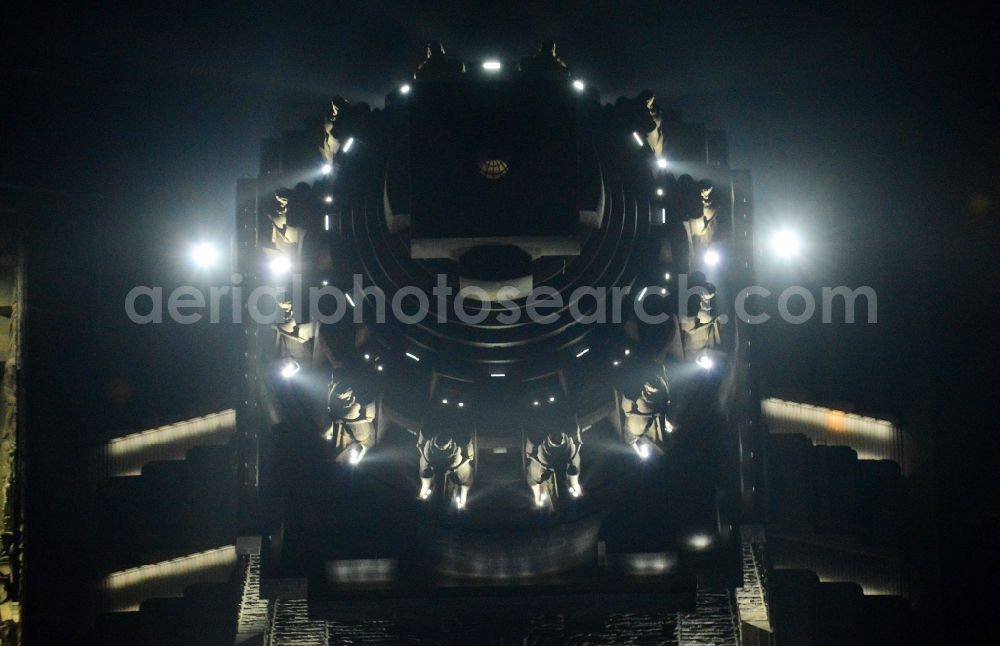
(872, 129)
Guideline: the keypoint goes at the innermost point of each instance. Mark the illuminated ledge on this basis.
(870, 438)
(642, 564)
(361, 572)
(124, 591)
(877, 571)
(125, 456)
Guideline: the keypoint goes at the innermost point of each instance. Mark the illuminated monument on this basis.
(515, 427)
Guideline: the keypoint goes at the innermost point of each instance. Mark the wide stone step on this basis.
(806, 612)
(174, 507)
(828, 490)
(204, 616)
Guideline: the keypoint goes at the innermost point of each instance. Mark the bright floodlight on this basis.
(705, 362)
(425, 494)
(328, 199)
(458, 503)
(642, 449)
(357, 452)
(712, 257)
(662, 162)
(492, 66)
(576, 493)
(205, 254)
(326, 168)
(404, 89)
(786, 243)
(280, 265)
(579, 86)
(289, 369)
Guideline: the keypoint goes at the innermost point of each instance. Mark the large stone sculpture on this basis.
(437, 66)
(546, 63)
(646, 416)
(702, 227)
(351, 424)
(700, 328)
(554, 459)
(444, 459)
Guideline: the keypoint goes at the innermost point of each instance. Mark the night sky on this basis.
(873, 130)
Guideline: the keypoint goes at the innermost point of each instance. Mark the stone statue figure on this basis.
(654, 137)
(350, 423)
(441, 456)
(702, 227)
(546, 63)
(700, 326)
(437, 66)
(646, 417)
(556, 456)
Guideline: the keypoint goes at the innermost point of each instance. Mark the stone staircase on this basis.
(807, 612)
(836, 528)
(165, 546)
